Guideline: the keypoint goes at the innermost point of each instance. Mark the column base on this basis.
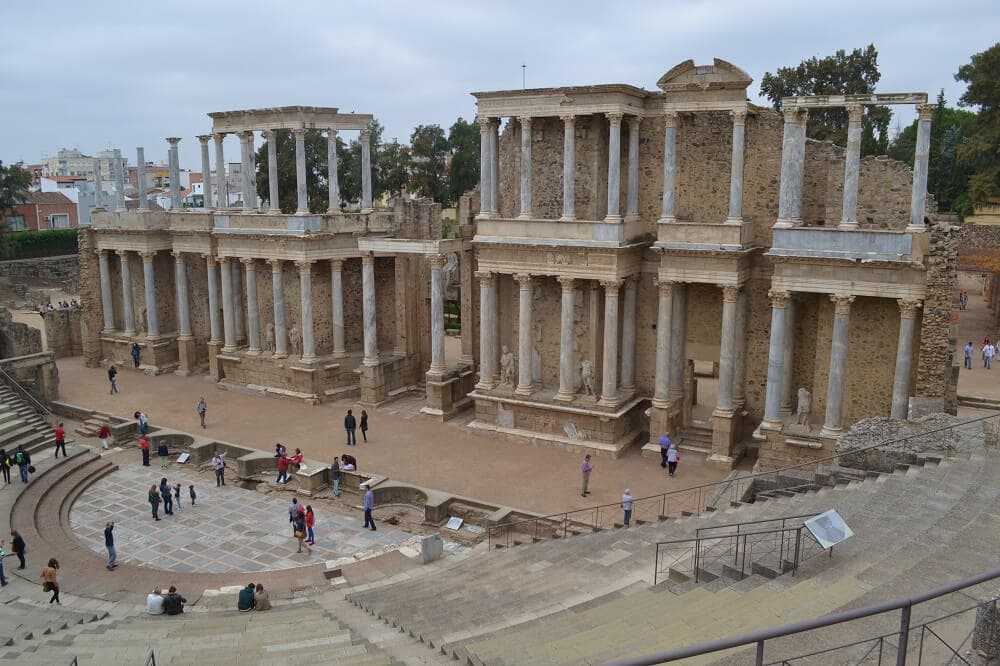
(609, 401)
(153, 337)
(307, 359)
(786, 223)
(485, 386)
(339, 353)
(279, 354)
(777, 426)
(332, 211)
(129, 332)
(253, 352)
(613, 219)
(916, 228)
(186, 355)
(228, 350)
(848, 225)
(667, 219)
(274, 211)
(524, 390)
(370, 361)
(735, 221)
(661, 403)
(437, 372)
(785, 410)
(367, 210)
(827, 431)
(564, 396)
(525, 216)
(632, 217)
(302, 212)
(568, 218)
(109, 331)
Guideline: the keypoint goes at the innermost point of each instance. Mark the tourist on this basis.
(293, 510)
(283, 463)
(350, 425)
(299, 524)
(23, 462)
(664, 445)
(163, 452)
(202, 408)
(144, 445)
(310, 522)
(109, 543)
(369, 505)
(177, 495)
(244, 603)
(989, 351)
(173, 603)
(51, 584)
(968, 355)
(135, 354)
(279, 450)
(364, 425)
(113, 378)
(986, 342)
(296, 460)
(192, 493)
(105, 435)
(165, 492)
(586, 468)
(5, 465)
(143, 421)
(627, 504)
(261, 599)
(219, 465)
(154, 602)
(335, 476)
(154, 501)
(3, 578)
(17, 545)
(60, 440)
(672, 459)
(350, 462)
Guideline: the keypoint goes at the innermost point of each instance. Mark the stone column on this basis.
(614, 167)
(119, 181)
(331, 171)
(366, 172)
(609, 372)
(487, 330)
(249, 180)
(918, 197)
(525, 347)
(206, 172)
(775, 360)
(128, 312)
(724, 399)
(238, 319)
(739, 351)
(787, 390)
(525, 210)
(678, 342)
(337, 301)
(833, 424)
(904, 358)
(567, 366)
(632, 187)
(669, 209)
(368, 308)
(215, 326)
(149, 277)
(628, 338)
(569, 168)
(140, 179)
(222, 189)
(98, 186)
(485, 165)
(301, 193)
(273, 194)
(278, 292)
(852, 167)
(664, 316)
(228, 314)
(438, 365)
(306, 311)
(253, 311)
(736, 167)
(107, 306)
(793, 154)
(181, 292)
(175, 174)
(495, 168)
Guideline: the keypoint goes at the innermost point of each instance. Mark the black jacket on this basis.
(173, 604)
(349, 422)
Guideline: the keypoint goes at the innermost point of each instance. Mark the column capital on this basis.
(523, 279)
(247, 261)
(276, 265)
(612, 286)
(366, 136)
(569, 120)
(246, 134)
(299, 133)
(670, 118)
(566, 282)
(739, 116)
(176, 254)
(484, 122)
(633, 123)
(665, 287)
(368, 257)
(614, 118)
(841, 303)
(855, 112)
(925, 111)
(219, 136)
(304, 266)
(437, 260)
(268, 134)
(147, 255)
(779, 299)
(908, 308)
(224, 261)
(730, 292)
(525, 122)
(331, 133)
(209, 259)
(337, 265)
(795, 115)
(100, 253)
(485, 276)
(204, 139)
(173, 141)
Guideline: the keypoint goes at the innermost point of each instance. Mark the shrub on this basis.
(31, 244)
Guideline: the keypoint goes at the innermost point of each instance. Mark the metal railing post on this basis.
(759, 661)
(904, 634)
(798, 543)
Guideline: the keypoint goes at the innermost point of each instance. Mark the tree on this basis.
(430, 152)
(317, 184)
(840, 74)
(14, 184)
(981, 153)
(349, 167)
(394, 167)
(463, 175)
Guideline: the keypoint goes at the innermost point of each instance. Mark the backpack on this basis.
(19, 458)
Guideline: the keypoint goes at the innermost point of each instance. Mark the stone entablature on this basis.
(288, 117)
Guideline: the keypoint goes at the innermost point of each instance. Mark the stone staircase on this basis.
(696, 438)
(21, 424)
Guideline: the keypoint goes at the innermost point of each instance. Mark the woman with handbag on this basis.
(50, 582)
(300, 531)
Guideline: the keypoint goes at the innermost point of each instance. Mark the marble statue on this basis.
(140, 321)
(508, 366)
(295, 341)
(269, 337)
(804, 407)
(587, 376)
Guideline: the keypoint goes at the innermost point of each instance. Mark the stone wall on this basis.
(90, 299)
(939, 321)
(64, 269)
(17, 339)
(62, 332)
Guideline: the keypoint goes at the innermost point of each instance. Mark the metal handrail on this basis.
(698, 532)
(151, 659)
(13, 383)
(760, 637)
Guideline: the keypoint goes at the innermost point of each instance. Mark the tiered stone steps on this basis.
(22, 425)
(695, 438)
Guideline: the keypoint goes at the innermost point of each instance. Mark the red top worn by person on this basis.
(297, 458)
(283, 463)
(105, 432)
(60, 433)
(310, 519)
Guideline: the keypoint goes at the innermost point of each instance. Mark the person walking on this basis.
(202, 408)
(113, 378)
(154, 501)
(627, 504)
(369, 505)
(192, 493)
(3, 578)
(335, 476)
(60, 440)
(350, 425)
(144, 445)
(50, 581)
(968, 355)
(17, 545)
(364, 425)
(293, 511)
(664, 445)
(283, 463)
(310, 522)
(299, 523)
(988, 353)
(586, 468)
(23, 461)
(986, 343)
(109, 543)
(177, 495)
(166, 492)
(163, 452)
(135, 354)
(672, 459)
(5, 465)
(143, 421)
(105, 435)
(219, 465)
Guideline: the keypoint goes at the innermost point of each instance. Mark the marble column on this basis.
(678, 342)
(495, 168)
(278, 292)
(149, 279)
(366, 172)
(609, 372)
(852, 168)
(664, 316)
(368, 308)
(904, 358)
(120, 182)
(128, 311)
(787, 390)
(206, 172)
(525, 210)
(107, 306)
(140, 179)
(739, 351)
(918, 196)
(222, 187)
(614, 167)
(253, 311)
(775, 360)
(181, 295)
(569, 168)
(438, 365)
(736, 167)
(485, 165)
(724, 398)
(249, 179)
(567, 366)
(487, 330)
(175, 174)
(833, 424)
(238, 314)
(337, 301)
(525, 347)
(306, 310)
(301, 193)
(98, 186)
(214, 325)
(273, 194)
(793, 154)
(668, 210)
(632, 187)
(228, 314)
(333, 179)
(628, 338)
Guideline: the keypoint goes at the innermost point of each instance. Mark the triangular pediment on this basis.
(720, 75)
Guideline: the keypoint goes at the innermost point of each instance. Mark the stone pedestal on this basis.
(187, 356)
(725, 426)
(213, 362)
(372, 384)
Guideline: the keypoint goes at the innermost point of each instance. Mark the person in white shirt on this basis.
(989, 351)
(154, 602)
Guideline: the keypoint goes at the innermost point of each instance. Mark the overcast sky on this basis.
(100, 73)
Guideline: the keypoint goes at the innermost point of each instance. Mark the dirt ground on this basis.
(974, 325)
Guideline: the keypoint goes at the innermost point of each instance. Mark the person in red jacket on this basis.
(296, 460)
(283, 463)
(60, 440)
(144, 445)
(105, 436)
(310, 521)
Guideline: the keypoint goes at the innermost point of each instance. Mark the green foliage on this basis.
(430, 152)
(316, 171)
(14, 184)
(981, 153)
(463, 173)
(855, 73)
(394, 167)
(31, 244)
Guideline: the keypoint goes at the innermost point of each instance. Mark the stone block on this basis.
(431, 548)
